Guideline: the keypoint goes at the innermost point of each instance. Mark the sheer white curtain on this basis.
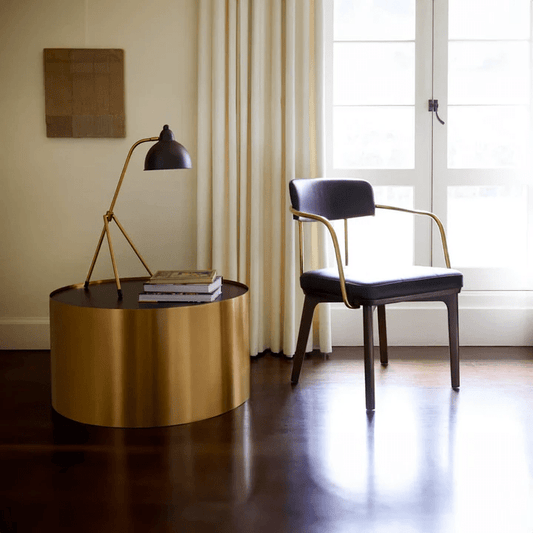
(260, 124)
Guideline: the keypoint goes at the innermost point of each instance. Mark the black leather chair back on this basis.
(333, 198)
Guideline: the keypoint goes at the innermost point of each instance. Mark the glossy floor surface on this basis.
(304, 458)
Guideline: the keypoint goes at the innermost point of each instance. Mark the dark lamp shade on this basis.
(167, 153)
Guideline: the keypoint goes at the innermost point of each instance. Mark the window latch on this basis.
(433, 107)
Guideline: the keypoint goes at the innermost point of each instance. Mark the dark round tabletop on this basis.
(103, 295)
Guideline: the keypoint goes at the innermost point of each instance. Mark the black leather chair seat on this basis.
(379, 284)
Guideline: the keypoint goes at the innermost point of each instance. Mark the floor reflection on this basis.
(363, 455)
(492, 481)
(467, 470)
(293, 459)
(224, 463)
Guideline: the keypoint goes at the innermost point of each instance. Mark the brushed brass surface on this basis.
(346, 241)
(301, 247)
(128, 365)
(336, 248)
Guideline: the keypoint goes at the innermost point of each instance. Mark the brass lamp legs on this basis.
(108, 217)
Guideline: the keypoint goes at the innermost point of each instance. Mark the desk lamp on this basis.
(165, 154)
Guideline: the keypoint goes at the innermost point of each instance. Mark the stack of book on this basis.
(182, 286)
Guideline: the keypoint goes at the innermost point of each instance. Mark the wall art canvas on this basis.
(84, 92)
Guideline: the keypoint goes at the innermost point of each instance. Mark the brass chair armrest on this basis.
(429, 214)
(336, 247)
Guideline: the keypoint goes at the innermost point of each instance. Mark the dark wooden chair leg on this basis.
(382, 326)
(310, 303)
(368, 334)
(453, 329)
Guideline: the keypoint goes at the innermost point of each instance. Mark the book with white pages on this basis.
(198, 288)
(155, 297)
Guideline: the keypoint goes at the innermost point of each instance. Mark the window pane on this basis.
(374, 137)
(388, 234)
(374, 20)
(489, 19)
(487, 137)
(374, 73)
(487, 226)
(488, 73)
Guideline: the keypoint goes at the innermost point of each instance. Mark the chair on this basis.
(324, 200)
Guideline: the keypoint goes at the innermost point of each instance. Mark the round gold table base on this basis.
(121, 365)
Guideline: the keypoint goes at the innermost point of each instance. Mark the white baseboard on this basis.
(485, 319)
(24, 334)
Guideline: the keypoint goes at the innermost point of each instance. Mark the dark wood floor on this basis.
(297, 459)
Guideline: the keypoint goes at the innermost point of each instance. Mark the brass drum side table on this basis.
(127, 364)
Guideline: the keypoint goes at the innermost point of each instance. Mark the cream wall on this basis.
(54, 192)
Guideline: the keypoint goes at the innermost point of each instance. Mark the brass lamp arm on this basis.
(336, 247)
(126, 163)
(429, 214)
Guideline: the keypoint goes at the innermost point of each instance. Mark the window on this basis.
(386, 60)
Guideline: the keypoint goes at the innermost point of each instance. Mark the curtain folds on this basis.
(260, 124)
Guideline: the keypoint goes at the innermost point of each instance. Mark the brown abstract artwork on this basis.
(84, 92)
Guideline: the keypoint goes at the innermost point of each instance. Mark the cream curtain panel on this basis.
(260, 124)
